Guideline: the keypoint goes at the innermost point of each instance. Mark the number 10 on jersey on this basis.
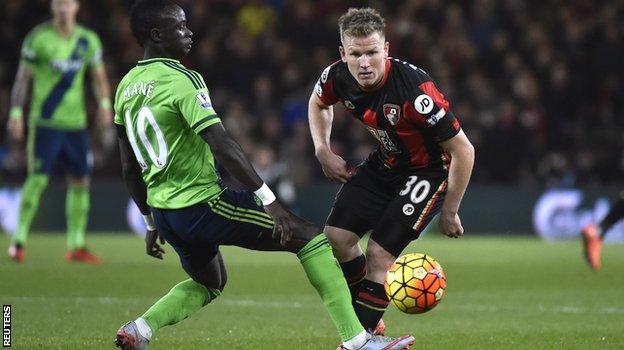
(159, 160)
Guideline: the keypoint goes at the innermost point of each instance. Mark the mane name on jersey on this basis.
(140, 88)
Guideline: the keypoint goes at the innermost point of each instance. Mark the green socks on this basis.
(31, 193)
(183, 299)
(76, 210)
(77, 213)
(326, 276)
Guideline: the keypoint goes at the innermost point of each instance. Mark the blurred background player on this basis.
(169, 137)
(421, 166)
(593, 235)
(55, 56)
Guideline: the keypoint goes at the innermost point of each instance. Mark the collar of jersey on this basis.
(157, 59)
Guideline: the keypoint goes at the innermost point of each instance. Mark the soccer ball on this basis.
(415, 283)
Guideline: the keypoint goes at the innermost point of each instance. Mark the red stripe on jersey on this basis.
(328, 96)
(412, 138)
(430, 89)
(370, 118)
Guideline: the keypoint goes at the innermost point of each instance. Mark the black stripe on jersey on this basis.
(191, 77)
(199, 79)
(203, 120)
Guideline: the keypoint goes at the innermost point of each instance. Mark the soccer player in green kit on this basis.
(55, 56)
(169, 138)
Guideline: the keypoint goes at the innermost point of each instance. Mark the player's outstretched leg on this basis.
(31, 193)
(352, 262)
(325, 275)
(182, 301)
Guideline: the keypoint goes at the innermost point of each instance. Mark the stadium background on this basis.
(537, 86)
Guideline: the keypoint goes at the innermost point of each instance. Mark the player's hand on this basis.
(284, 221)
(16, 128)
(104, 117)
(151, 246)
(334, 167)
(450, 225)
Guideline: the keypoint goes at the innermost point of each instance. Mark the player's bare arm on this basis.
(462, 160)
(138, 191)
(320, 117)
(101, 89)
(19, 93)
(230, 155)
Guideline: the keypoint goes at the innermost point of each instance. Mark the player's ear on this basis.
(343, 54)
(155, 35)
(386, 49)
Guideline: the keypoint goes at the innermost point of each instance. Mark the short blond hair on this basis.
(361, 22)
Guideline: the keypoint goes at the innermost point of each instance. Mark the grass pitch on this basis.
(503, 293)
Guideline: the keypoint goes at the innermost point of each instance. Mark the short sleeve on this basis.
(429, 106)
(95, 57)
(324, 87)
(195, 104)
(28, 54)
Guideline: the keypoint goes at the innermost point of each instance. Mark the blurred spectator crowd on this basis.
(537, 85)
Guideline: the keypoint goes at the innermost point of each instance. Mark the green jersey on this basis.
(59, 64)
(163, 107)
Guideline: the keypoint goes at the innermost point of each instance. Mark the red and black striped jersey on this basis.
(407, 114)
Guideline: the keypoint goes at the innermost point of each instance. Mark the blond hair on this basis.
(361, 22)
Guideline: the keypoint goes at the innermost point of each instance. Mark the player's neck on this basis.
(65, 28)
(154, 52)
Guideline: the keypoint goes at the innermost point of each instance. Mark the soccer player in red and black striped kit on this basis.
(421, 167)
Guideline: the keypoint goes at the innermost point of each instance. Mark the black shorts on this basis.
(397, 206)
(196, 232)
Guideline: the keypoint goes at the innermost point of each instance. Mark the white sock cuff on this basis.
(356, 342)
(143, 328)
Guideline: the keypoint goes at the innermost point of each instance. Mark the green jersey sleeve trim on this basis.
(188, 74)
(205, 122)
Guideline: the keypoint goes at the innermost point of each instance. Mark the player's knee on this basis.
(341, 240)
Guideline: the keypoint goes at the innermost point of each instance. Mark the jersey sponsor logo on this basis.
(384, 139)
(325, 74)
(349, 104)
(408, 209)
(392, 112)
(423, 104)
(204, 100)
(434, 119)
(66, 66)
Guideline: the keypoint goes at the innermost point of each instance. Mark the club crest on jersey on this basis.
(204, 100)
(392, 113)
(423, 104)
(349, 104)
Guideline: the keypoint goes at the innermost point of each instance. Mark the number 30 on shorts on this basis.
(417, 190)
